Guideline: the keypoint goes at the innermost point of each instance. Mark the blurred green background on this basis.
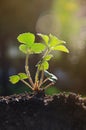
(64, 18)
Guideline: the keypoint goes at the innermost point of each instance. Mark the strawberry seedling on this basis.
(29, 47)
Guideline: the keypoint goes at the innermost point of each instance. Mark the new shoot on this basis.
(29, 47)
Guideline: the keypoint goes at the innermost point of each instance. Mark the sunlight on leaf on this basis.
(38, 48)
(61, 48)
(54, 41)
(43, 66)
(14, 79)
(23, 48)
(26, 38)
(22, 76)
(48, 57)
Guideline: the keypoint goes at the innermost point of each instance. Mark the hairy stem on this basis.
(45, 81)
(46, 53)
(41, 79)
(37, 72)
(37, 75)
(27, 84)
(27, 70)
(49, 85)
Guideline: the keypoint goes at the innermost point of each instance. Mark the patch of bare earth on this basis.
(40, 112)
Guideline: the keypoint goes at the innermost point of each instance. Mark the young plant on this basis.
(28, 46)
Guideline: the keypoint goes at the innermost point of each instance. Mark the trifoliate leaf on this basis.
(50, 76)
(26, 38)
(44, 37)
(22, 76)
(54, 41)
(38, 48)
(14, 79)
(43, 66)
(48, 57)
(61, 48)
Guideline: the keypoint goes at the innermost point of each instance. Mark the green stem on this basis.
(27, 70)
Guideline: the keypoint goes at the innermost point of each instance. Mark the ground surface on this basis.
(39, 112)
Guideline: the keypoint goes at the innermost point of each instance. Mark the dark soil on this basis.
(39, 112)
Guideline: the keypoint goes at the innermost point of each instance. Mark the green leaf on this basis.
(44, 37)
(61, 48)
(38, 48)
(14, 79)
(54, 41)
(43, 66)
(26, 38)
(22, 76)
(23, 48)
(48, 57)
(52, 90)
(51, 76)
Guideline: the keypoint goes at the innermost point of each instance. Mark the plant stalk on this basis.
(27, 84)
(42, 74)
(41, 79)
(45, 81)
(49, 85)
(27, 70)
(37, 76)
